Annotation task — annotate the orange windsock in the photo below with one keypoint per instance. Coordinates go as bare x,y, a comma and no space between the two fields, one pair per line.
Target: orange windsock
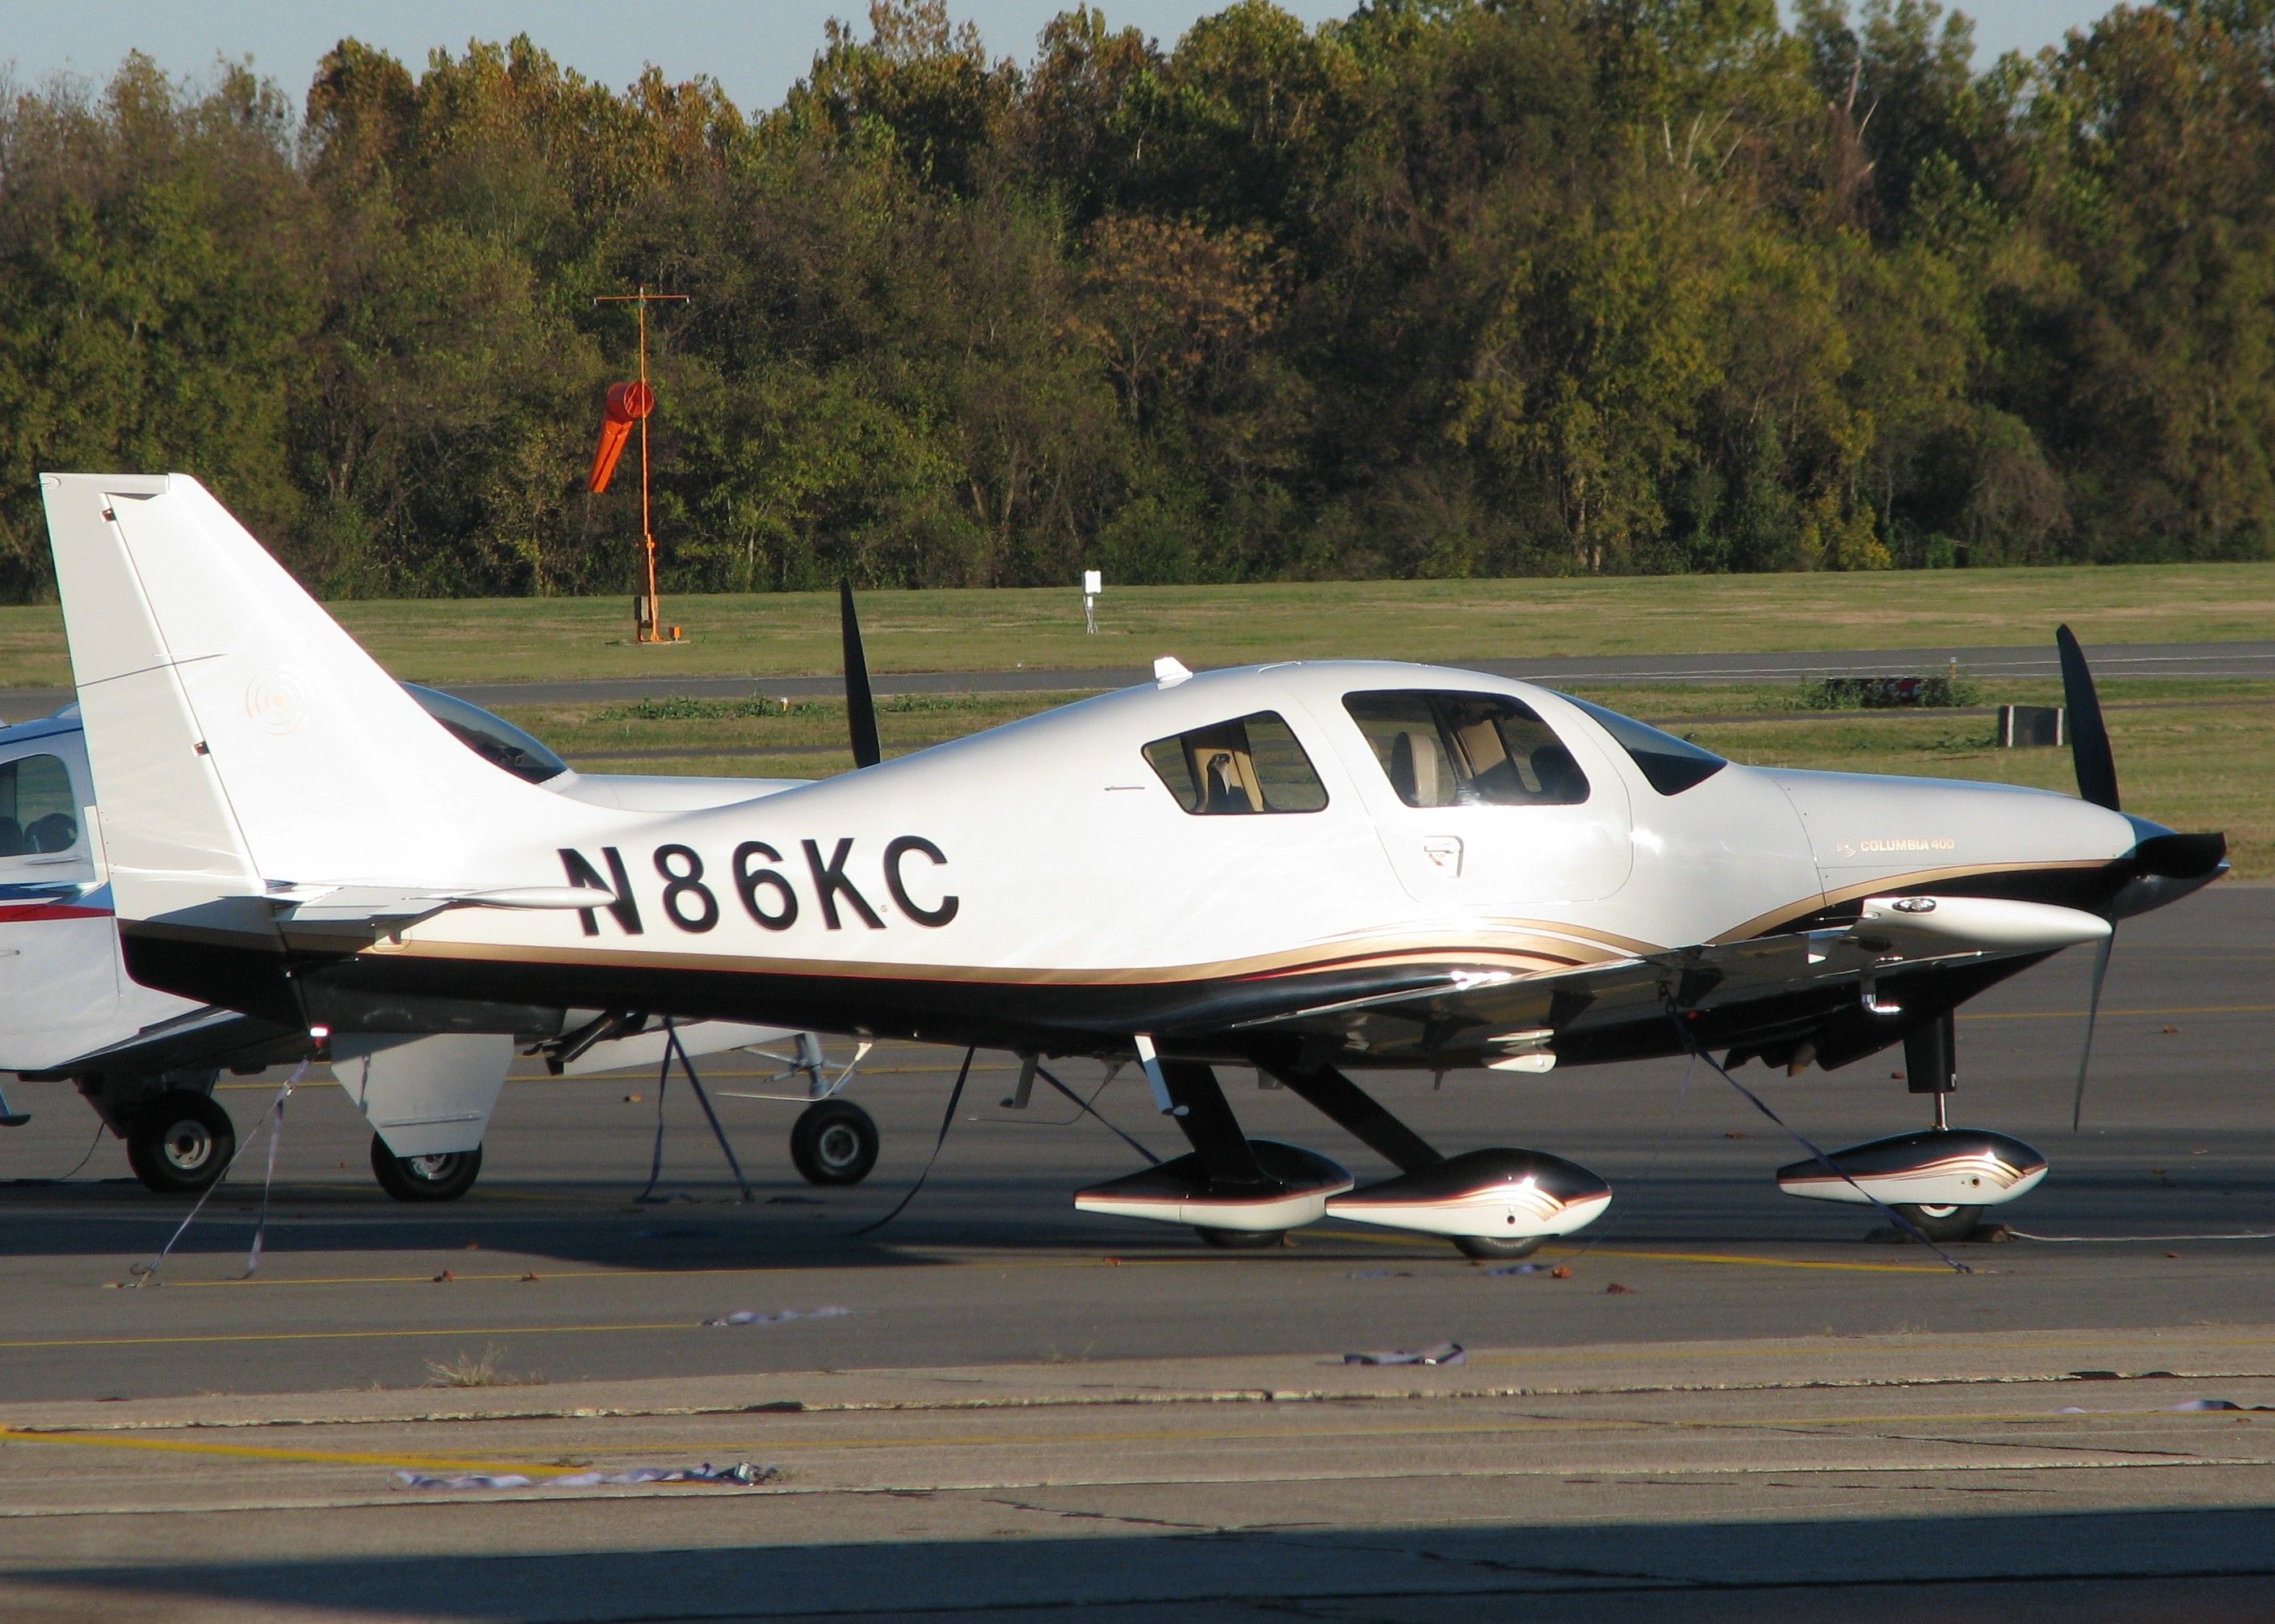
628,404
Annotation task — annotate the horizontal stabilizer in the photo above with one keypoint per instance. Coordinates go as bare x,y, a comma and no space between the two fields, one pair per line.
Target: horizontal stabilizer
200,1037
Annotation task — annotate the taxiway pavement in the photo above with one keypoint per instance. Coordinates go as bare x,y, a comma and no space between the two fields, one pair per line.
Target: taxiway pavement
1023,1406
2230,661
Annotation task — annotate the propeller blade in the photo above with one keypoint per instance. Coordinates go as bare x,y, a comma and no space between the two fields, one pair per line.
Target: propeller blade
860,704
2092,1016
2088,736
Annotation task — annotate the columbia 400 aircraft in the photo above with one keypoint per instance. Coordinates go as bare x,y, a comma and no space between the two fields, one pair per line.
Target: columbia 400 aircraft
1313,869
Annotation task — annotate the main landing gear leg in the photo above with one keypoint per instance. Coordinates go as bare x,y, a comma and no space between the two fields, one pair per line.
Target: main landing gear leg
1236,1191
1215,1134
1355,1111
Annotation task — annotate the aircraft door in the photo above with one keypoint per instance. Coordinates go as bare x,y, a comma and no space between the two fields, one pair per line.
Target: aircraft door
59,975
1481,804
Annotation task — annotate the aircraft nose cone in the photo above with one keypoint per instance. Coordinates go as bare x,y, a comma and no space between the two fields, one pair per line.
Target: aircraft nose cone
2166,866
2165,854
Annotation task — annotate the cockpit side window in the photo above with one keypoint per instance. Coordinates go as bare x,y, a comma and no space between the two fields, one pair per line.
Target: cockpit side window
1668,764
38,814
1251,765
1466,750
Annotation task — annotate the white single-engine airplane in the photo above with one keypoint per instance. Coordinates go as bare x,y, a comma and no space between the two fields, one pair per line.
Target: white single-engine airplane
147,1061
1309,868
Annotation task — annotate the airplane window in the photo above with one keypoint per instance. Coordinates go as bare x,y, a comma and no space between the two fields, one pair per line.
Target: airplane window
38,813
1254,764
492,738
1669,764
1466,750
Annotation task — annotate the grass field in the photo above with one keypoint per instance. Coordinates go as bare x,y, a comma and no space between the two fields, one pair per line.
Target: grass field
2192,755
789,634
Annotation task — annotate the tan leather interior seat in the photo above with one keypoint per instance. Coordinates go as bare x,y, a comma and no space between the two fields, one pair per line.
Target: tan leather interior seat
1418,767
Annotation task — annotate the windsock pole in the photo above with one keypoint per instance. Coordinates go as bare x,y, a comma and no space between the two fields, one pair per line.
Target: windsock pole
630,404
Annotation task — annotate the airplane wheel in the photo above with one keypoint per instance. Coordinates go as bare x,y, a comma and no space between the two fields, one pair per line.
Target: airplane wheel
1941,1223
833,1142
425,1178
1481,1246
1240,1239
180,1142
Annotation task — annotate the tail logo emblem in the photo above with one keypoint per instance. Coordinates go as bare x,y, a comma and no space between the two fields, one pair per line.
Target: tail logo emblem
277,702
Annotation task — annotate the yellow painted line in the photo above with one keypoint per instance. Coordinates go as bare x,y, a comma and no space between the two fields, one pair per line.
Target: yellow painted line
1782,1348
341,1336
2078,1015
1777,1262
458,1279
1514,1424
1569,1250
248,1451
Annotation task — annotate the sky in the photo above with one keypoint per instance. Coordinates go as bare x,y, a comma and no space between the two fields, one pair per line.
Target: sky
754,48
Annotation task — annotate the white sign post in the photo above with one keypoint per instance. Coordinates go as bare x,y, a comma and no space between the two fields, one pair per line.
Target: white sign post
1093,582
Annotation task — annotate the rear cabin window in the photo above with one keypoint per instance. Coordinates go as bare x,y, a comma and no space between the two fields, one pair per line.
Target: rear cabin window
1253,765
38,813
1466,750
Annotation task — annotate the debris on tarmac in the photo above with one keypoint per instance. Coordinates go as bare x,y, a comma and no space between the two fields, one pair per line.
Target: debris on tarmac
742,1474
1520,1268
1617,1290
752,1317
1442,1353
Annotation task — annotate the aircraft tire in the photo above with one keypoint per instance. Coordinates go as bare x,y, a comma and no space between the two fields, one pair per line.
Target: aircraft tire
1940,1223
833,1142
425,1178
180,1144
1483,1247
1240,1239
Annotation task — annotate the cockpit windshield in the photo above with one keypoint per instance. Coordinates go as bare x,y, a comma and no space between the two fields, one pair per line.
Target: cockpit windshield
492,738
1669,764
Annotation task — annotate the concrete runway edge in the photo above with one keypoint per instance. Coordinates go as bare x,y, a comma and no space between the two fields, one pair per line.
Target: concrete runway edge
1579,1482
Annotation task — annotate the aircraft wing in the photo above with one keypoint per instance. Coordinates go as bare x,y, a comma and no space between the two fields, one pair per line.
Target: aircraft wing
1511,1020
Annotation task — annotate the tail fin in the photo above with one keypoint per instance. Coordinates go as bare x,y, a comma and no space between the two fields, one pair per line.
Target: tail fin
240,741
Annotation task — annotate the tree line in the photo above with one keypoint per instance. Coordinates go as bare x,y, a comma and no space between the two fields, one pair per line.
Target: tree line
1442,288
